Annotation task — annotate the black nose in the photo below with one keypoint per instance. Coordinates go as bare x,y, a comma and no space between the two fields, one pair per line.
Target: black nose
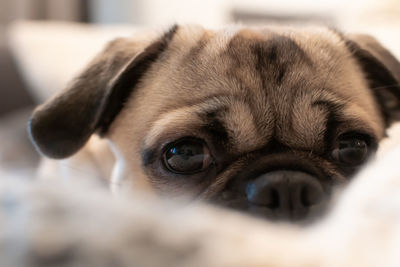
289,195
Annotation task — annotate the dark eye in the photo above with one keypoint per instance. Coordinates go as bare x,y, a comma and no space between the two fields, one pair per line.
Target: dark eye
187,157
351,150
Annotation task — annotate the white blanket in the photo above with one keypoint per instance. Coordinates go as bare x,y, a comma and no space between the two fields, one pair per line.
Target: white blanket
72,224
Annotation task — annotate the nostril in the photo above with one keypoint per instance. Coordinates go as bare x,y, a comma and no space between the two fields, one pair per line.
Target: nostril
304,197
274,199
310,196
267,196
285,195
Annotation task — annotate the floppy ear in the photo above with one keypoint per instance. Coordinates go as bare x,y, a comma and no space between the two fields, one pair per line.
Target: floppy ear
382,70
62,125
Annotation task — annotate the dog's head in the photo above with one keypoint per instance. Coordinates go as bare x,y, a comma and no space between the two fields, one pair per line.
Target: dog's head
264,119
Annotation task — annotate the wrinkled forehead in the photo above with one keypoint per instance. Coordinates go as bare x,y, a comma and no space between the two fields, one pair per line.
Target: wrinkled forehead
256,60
229,54
254,85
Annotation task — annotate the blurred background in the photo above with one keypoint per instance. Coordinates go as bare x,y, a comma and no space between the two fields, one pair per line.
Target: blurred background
44,43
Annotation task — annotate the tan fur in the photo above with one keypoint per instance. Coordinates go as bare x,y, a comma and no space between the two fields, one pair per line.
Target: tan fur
162,104
253,88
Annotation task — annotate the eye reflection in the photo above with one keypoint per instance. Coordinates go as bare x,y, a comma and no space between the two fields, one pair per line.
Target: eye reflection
351,151
187,156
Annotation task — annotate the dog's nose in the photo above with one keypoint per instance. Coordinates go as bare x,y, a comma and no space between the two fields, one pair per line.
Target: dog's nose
283,194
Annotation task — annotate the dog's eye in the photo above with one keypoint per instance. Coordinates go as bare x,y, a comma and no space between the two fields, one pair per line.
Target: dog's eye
187,157
350,151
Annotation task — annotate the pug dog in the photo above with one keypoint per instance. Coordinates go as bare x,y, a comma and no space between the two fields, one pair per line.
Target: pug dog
266,119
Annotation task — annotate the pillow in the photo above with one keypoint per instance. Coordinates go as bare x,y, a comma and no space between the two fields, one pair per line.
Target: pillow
50,54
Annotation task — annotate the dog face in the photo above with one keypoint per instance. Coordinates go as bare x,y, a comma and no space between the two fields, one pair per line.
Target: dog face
266,119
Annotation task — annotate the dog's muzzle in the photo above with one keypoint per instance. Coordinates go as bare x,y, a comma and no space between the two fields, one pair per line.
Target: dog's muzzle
284,194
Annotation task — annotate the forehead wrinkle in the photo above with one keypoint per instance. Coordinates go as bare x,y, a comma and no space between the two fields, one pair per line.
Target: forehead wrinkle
353,114
307,118
347,116
231,111
184,118
241,126
259,62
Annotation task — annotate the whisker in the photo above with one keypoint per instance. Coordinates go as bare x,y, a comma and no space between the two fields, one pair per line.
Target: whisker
386,86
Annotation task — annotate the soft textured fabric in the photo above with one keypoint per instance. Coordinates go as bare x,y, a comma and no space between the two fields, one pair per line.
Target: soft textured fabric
75,224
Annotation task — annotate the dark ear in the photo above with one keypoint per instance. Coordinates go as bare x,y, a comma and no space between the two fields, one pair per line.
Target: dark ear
62,125
382,70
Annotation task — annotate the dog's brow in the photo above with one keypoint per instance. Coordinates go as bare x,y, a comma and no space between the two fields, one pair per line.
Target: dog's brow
333,118
219,117
176,120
